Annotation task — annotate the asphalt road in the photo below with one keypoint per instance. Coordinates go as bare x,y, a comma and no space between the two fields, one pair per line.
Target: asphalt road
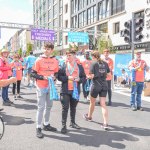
128,130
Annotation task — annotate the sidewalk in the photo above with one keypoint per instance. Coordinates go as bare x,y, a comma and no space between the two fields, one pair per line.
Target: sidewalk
127,92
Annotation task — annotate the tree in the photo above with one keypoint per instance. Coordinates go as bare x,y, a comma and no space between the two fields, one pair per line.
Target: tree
104,43
56,52
20,52
74,46
29,48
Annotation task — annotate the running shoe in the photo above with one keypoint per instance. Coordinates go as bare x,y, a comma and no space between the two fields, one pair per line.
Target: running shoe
85,116
105,126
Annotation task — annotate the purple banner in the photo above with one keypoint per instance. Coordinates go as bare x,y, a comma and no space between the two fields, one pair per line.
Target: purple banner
42,35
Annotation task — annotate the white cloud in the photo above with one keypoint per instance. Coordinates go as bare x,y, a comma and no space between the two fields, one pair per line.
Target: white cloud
15,16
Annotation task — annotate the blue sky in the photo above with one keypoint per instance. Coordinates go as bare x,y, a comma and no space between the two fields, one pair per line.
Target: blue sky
17,11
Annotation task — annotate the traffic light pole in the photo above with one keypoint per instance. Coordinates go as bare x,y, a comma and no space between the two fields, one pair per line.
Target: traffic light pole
132,36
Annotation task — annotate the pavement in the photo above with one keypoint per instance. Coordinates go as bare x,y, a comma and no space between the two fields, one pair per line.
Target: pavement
129,130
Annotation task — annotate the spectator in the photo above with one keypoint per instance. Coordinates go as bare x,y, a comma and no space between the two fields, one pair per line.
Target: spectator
110,63
29,64
4,68
137,67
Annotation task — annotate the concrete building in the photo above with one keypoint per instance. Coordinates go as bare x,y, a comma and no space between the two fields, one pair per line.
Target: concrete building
24,40
108,17
97,17
52,14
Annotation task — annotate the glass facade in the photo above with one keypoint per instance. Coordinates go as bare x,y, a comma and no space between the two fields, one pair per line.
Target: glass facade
103,28
90,11
117,6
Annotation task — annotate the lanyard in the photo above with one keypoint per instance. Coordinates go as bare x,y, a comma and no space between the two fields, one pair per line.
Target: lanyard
69,68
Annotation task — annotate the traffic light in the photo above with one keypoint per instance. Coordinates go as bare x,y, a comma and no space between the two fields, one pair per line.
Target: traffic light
138,28
126,33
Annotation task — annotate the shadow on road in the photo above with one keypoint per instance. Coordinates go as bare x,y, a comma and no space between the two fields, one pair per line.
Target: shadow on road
96,138
15,120
34,101
25,106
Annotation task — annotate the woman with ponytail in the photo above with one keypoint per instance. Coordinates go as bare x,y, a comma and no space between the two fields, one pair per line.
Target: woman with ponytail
98,73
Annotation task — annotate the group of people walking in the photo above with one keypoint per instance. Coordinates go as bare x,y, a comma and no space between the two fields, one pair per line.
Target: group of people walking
95,75
71,74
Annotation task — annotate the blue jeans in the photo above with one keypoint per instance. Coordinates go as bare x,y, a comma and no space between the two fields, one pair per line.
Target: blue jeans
5,93
136,91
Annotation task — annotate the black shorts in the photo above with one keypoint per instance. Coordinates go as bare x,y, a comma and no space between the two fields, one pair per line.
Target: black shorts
101,91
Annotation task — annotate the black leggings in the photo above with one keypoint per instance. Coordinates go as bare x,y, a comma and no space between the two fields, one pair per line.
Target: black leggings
18,87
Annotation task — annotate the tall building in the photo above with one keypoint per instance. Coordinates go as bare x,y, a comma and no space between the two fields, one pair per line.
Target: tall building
97,17
107,18
52,14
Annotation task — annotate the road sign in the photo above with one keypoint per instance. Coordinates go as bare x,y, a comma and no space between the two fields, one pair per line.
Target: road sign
42,35
78,37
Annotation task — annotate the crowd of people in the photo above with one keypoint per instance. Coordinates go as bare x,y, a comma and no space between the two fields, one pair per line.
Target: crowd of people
94,73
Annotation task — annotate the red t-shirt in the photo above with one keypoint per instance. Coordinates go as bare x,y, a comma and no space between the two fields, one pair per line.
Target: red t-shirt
45,66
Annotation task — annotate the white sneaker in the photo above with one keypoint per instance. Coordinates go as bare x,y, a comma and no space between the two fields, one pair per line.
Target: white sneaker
85,100
88,98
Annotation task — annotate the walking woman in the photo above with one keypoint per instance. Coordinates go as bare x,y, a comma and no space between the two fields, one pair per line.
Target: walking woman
16,66
71,74
98,73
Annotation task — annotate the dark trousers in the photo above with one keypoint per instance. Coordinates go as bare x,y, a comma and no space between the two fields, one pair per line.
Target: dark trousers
5,93
18,87
66,101
85,93
109,90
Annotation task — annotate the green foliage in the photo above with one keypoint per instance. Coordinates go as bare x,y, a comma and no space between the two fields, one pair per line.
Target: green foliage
20,52
29,49
103,43
56,52
75,47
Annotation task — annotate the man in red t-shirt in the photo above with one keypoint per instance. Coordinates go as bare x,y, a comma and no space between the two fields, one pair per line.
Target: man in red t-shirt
138,68
110,63
45,66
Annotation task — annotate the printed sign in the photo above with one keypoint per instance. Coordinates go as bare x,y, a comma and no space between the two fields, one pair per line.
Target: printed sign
42,35
79,37
122,62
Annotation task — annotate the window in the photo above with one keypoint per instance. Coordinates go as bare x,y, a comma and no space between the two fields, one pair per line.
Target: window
66,8
116,28
60,6
74,22
117,6
91,14
84,18
80,20
66,24
49,3
60,21
54,1
55,11
76,6
80,4
139,14
66,40
103,9
55,23
72,6
103,28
